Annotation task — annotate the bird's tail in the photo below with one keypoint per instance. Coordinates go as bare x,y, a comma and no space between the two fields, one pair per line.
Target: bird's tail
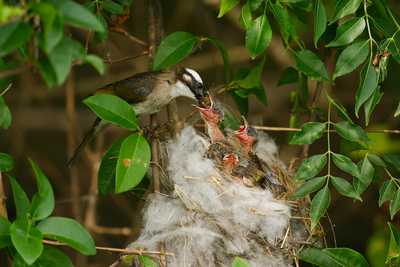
98,126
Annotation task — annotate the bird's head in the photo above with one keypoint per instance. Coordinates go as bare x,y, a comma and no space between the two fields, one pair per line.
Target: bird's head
248,135
230,161
192,80
214,114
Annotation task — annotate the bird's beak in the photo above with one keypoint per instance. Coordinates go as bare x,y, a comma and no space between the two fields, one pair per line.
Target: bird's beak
206,113
242,131
230,162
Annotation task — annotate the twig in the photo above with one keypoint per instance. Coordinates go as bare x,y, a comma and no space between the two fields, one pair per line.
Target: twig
5,90
110,61
16,71
228,190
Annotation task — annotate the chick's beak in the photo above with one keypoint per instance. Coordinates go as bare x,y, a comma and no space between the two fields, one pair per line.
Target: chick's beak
207,113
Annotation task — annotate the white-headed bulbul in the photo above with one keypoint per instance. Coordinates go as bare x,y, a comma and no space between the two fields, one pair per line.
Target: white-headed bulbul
147,93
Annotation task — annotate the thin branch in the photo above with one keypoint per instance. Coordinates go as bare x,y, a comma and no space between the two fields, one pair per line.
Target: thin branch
8,87
16,71
111,61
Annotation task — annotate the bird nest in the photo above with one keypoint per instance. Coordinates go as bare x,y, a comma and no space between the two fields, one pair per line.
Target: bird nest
206,217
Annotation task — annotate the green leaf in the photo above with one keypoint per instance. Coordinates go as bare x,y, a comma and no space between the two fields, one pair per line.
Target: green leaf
301,15
127,2
312,66
381,8
68,231
113,7
344,8
75,48
385,27
108,166
13,35
395,47
47,72
96,62
371,103
394,249
289,75
6,162
386,192
351,131
393,159
245,16
225,56
53,257
254,4
241,103
77,16
350,146
259,92
345,164
345,188
230,121
26,240
43,201
319,204
5,236
253,78
397,111
319,21
308,187
317,257
5,115
113,109
310,167
227,5
376,160
346,257
147,262
22,204
103,21
368,82
366,173
282,16
173,49
61,61
309,133
351,58
133,162
239,262
258,36
348,31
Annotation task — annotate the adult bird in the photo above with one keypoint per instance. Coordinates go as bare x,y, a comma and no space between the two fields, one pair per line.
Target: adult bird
147,93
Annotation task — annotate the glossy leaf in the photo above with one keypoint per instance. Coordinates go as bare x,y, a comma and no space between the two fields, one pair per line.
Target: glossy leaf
348,31
253,78
350,146
12,35
312,66
173,49
259,92
395,47
309,133
393,159
47,72
345,164
394,204
225,56
75,48
368,82
371,103
22,203
309,187
319,204
351,131
345,188
289,75
344,8
96,62
227,5
113,109
254,4
133,162
397,111
103,22
6,162
385,27
239,262
381,8
68,231
285,21
147,262
346,257
26,240
258,36
54,258
386,192
77,16
241,103
43,201
317,257
366,173
5,236
113,7
311,167
377,160
301,15
61,61
245,16
394,248
351,58
319,20
108,166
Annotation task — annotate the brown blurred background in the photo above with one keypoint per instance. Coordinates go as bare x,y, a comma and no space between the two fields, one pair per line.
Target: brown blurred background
48,130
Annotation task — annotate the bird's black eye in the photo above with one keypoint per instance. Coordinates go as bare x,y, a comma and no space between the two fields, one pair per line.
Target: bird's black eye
200,86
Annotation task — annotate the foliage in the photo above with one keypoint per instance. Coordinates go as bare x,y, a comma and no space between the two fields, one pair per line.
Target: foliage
22,238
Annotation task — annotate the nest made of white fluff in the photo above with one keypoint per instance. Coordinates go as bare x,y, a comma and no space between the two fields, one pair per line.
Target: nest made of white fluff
209,218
